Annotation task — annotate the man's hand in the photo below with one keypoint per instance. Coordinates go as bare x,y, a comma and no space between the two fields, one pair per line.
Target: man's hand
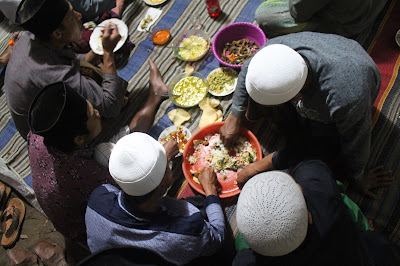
171,148
93,58
110,37
265,164
209,181
248,172
230,131
374,178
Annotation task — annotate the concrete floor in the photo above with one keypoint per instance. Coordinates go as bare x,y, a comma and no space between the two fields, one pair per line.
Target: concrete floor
36,227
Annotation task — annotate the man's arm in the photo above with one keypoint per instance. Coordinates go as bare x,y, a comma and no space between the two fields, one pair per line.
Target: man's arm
108,98
213,234
263,165
279,160
355,143
240,95
231,129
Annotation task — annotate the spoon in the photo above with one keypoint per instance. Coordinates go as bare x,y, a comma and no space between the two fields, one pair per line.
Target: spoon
102,26
166,94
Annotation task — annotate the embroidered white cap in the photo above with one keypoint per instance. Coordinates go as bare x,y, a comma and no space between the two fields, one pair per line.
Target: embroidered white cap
275,75
138,163
272,214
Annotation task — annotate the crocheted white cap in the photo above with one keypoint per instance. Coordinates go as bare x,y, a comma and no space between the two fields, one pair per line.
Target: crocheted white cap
275,75
272,214
138,163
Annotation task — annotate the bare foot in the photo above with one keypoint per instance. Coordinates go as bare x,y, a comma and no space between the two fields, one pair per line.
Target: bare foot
156,82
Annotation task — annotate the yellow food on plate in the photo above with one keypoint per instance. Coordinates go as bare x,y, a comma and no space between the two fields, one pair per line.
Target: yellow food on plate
192,47
178,116
191,90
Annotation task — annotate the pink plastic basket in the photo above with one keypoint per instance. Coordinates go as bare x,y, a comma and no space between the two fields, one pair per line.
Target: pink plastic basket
236,31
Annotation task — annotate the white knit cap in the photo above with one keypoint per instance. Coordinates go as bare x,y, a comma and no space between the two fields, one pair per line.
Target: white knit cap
272,214
138,163
275,75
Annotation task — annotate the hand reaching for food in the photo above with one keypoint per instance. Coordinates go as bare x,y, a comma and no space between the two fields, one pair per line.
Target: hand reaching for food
171,148
247,173
110,37
252,169
230,131
208,179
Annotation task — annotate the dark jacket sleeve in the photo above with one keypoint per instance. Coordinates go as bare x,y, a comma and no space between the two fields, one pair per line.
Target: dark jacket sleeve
107,98
240,96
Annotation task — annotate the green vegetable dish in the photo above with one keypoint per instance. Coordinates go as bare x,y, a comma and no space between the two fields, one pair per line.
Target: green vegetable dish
222,81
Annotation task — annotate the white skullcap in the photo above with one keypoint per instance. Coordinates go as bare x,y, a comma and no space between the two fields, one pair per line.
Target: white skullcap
275,75
272,214
138,163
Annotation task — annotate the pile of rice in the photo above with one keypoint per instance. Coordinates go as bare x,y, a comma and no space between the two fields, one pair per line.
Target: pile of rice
219,157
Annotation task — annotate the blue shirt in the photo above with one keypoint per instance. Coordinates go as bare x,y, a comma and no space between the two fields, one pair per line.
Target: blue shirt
177,232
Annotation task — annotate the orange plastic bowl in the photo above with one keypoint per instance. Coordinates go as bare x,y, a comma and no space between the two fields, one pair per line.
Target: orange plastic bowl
229,189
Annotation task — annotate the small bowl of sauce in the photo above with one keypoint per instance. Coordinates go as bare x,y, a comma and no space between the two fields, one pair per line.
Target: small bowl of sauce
161,37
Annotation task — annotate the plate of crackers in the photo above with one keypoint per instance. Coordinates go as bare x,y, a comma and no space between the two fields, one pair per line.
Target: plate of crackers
180,133
222,81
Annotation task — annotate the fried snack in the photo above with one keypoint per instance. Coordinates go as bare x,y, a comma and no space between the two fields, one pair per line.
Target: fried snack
210,113
178,116
209,116
208,102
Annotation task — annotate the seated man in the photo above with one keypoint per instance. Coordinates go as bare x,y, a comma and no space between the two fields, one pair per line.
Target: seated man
322,88
300,219
140,216
347,18
46,57
64,173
